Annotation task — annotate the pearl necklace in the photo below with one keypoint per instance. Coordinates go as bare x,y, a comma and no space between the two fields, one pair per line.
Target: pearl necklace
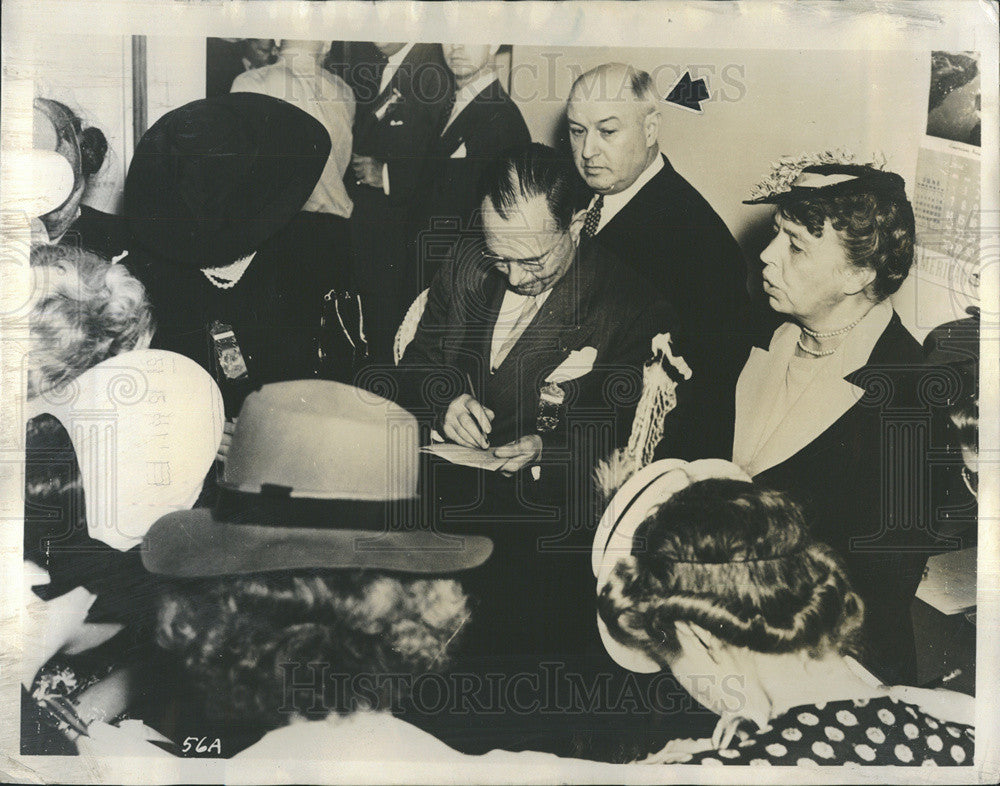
832,333
822,353
228,276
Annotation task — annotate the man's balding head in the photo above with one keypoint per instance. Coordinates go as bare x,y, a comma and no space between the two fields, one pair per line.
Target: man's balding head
614,122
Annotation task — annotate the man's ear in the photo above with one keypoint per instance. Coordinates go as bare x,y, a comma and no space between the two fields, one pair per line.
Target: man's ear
576,226
651,127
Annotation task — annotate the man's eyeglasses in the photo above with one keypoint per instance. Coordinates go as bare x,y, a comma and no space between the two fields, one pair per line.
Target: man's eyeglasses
529,264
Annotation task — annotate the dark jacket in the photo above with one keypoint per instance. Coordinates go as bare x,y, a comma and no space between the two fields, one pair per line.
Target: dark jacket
864,484
674,238
94,230
598,303
449,191
274,309
400,137
534,597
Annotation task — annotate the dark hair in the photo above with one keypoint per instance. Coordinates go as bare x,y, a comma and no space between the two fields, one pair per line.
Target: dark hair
247,641
529,171
875,227
93,144
738,561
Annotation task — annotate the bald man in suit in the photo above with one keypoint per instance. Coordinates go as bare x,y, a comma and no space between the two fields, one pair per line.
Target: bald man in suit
643,211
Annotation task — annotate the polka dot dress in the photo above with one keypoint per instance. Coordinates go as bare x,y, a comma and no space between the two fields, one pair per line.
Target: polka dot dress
852,732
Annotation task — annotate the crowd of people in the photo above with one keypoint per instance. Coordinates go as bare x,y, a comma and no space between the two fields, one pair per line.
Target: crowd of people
661,517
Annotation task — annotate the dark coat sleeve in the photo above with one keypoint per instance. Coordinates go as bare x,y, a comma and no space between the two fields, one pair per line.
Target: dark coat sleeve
425,382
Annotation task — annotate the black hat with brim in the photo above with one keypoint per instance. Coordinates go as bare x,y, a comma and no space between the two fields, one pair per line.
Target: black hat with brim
833,180
211,181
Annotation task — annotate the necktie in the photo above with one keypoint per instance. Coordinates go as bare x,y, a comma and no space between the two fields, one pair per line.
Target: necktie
528,311
381,66
447,108
593,217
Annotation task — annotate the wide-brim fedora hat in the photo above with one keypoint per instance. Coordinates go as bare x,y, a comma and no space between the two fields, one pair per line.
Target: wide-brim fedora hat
318,475
212,180
631,505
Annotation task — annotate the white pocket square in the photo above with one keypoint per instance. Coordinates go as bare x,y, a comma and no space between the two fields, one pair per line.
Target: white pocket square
395,122
577,364
460,151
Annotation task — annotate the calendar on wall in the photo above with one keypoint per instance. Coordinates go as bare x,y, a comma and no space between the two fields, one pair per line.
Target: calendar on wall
947,186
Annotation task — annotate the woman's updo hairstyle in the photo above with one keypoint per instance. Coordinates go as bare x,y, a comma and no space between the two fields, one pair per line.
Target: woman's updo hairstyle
738,561
90,139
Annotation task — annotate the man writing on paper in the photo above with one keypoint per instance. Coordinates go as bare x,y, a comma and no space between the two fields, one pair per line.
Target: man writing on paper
537,339
533,350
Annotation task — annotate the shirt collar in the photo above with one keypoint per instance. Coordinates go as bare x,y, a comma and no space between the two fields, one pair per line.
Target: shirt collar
396,59
615,202
302,64
466,93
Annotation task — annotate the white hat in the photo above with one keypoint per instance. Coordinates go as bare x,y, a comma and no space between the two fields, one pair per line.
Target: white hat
145,426
43,182
632,504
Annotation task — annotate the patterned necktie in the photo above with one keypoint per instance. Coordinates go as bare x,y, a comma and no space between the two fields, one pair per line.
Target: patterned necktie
528,311
593,217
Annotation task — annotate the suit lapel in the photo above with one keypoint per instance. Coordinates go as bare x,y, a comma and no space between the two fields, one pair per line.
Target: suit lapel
822,402
758,384
474,115
479,320
642,208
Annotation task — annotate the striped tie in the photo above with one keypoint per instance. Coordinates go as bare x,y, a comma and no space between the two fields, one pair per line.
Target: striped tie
593,217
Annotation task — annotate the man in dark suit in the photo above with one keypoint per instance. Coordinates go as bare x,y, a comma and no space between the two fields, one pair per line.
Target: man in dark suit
534,347
401,100
484,123
649,216
503,317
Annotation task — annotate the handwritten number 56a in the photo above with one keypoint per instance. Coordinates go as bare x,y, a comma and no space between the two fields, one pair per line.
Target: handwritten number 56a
201,745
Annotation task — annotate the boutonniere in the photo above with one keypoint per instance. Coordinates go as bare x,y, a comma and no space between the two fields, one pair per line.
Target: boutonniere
551,396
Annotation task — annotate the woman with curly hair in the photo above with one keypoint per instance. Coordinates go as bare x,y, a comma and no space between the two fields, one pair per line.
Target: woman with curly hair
84,310
252,646
99,469
311,600
704,573
825,406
